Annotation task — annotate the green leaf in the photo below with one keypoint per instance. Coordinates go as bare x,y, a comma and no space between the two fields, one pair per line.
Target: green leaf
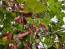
1,46
60,15
1,15
58,4
64,46
1,29
50,1
63,7
20,1
62,38
51,14
53,8
45,20
32,21
29,19
1,23
3,0
8,25
4,40
20,46
10,16
48,41
35,6
26,9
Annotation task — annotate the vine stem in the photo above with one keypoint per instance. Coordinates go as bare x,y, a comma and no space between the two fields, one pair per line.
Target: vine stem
59,30
50,33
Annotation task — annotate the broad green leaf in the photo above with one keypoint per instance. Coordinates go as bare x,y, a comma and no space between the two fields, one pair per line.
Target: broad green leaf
35,6
32,3
26,9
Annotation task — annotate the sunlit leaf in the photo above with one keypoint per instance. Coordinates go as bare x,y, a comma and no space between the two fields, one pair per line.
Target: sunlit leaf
4,40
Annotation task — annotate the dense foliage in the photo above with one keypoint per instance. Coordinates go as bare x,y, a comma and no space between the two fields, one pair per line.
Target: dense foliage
28,24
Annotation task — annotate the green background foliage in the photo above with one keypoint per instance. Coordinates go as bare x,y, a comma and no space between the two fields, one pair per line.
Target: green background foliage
43,11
